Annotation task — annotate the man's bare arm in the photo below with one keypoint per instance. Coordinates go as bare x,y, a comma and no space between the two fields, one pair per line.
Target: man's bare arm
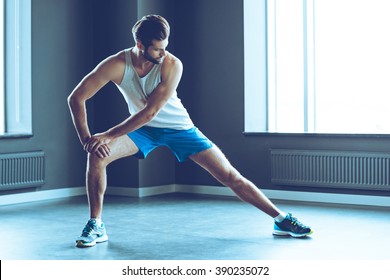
110,69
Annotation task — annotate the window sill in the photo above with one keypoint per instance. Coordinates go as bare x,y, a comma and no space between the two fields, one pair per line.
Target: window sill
15,135
303,134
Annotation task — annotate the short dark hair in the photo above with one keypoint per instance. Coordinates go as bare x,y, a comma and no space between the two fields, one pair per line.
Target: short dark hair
151,27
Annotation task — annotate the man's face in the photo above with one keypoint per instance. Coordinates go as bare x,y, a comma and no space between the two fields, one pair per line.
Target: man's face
156,51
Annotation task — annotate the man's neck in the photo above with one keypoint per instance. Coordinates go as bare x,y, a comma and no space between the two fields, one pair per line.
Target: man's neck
139,61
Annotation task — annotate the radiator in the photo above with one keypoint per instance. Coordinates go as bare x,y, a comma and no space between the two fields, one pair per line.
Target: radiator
363,170
21,170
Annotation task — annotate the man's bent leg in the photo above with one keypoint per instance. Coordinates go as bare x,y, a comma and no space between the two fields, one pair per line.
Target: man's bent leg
215,162
96,172
95,231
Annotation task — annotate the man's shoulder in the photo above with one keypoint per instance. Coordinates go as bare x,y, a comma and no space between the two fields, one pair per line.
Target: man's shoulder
170,58
118,58
171,61
113,67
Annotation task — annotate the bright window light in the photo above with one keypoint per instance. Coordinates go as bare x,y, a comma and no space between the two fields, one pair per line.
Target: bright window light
327,66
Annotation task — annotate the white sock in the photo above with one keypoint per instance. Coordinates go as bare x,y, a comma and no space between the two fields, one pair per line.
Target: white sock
98,221
280,217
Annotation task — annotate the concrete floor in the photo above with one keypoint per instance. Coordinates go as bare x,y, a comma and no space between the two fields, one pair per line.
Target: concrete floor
188,227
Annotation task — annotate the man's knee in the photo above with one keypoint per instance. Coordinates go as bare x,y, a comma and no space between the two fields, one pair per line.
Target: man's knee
94,161
233,179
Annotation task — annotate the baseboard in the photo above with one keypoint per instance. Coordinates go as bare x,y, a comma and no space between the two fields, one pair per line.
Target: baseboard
141,192
331,198
208,190
27,197
10,199
292,196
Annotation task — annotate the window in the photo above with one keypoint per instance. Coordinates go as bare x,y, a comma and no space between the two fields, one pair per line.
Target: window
15,96
2,107
326,67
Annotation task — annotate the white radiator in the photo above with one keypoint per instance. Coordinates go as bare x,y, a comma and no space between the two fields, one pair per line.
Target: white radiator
20,170
364,170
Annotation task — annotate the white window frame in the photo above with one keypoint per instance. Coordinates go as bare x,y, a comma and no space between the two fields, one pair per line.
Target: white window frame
18,85
308,67
259,68
2,86
255,73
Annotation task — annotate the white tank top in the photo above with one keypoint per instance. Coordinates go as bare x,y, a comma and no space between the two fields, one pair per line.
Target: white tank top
136,90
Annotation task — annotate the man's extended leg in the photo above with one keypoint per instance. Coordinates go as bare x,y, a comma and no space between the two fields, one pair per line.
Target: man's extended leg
96,187
215,162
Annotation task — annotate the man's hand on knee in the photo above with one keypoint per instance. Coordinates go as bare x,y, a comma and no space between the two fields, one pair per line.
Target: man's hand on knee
103,151
98,144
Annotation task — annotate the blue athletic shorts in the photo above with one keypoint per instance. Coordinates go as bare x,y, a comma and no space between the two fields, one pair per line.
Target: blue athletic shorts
182,143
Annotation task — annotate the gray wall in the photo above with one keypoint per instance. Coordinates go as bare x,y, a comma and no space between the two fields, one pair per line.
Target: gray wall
61,43
71,36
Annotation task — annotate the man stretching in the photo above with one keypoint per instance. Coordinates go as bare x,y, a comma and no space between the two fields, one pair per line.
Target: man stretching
147,75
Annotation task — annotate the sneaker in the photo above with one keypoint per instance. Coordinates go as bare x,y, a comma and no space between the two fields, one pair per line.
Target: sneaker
291,226
91,234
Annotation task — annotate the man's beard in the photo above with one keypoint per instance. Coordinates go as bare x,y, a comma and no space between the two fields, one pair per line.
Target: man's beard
149,58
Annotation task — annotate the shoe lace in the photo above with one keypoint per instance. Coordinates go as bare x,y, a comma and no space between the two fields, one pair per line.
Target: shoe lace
295,222
87,229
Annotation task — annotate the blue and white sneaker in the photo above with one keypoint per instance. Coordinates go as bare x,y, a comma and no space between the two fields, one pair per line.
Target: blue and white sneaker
291,226
91,234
